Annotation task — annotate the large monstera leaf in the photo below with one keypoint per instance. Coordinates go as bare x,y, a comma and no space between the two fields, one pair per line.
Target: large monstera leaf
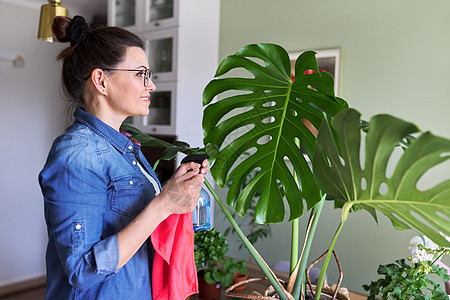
366,184
259,128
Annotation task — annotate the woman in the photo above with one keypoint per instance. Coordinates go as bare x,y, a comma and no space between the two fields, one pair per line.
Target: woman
102,198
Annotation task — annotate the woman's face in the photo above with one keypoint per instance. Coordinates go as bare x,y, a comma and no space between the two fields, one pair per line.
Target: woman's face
127,95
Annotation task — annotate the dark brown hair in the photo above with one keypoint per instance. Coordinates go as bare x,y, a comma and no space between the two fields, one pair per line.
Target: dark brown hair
102,47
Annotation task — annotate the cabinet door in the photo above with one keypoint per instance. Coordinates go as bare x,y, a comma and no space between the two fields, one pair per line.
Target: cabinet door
162,48
125,14
159,14
161,118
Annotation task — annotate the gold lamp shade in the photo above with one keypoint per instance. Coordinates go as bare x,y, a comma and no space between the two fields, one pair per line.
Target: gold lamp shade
48,13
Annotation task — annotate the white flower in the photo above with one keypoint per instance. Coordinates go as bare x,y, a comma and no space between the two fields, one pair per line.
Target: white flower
421,256
429,244
416,241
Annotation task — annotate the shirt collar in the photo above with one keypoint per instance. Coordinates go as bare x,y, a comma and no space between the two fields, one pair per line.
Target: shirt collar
115,138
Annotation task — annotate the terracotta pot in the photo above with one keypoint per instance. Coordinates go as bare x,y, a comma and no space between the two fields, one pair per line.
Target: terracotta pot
237,277
209,291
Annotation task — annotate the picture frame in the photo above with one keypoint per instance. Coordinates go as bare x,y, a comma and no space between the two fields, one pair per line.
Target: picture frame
328,60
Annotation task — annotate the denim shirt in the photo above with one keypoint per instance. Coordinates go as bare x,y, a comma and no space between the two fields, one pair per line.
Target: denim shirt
93,188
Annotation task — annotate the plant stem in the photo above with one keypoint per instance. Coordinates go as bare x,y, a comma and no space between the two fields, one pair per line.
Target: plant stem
294,244
327,261
258,259
314,220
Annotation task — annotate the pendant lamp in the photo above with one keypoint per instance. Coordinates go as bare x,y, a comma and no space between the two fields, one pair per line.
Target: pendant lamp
48,13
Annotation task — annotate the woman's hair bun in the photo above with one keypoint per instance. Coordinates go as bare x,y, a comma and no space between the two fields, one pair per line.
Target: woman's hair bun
70,30
59,27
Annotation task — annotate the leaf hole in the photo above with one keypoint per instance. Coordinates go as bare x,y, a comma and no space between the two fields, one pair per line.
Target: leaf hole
239,72
235,112
239,159
444,154
421,220
363,183
293,112
269,104
435,175
230,93
441,215
444,236
409,224
311,88
268,91
383,189
393,161
342,161
264,140
268,120
235,134
259,61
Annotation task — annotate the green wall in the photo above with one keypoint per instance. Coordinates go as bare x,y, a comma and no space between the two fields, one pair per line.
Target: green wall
395,59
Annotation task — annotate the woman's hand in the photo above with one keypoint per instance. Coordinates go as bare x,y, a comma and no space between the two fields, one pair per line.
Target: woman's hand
180,194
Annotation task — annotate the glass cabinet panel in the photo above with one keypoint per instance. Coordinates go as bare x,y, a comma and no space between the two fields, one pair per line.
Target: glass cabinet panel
161,118
161,55
125,13
160,14
161,9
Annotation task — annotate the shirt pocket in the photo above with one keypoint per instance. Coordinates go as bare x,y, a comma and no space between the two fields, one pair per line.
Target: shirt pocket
129,196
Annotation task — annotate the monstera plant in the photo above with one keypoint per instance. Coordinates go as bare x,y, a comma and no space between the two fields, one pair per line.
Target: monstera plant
260,122
266,116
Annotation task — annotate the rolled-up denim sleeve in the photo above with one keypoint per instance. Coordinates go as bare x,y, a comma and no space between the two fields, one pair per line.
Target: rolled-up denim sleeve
74,188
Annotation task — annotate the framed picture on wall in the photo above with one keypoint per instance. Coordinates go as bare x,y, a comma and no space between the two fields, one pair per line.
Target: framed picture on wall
328,60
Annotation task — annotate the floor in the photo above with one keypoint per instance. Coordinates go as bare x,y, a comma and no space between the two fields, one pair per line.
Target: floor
33,294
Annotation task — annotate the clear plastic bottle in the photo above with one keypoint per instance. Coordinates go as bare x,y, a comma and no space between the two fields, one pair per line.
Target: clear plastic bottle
201,216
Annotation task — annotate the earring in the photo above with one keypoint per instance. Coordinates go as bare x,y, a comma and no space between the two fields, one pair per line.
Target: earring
104,91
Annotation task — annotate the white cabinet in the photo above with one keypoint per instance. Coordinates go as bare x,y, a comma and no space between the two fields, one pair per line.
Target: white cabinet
162,52
182,40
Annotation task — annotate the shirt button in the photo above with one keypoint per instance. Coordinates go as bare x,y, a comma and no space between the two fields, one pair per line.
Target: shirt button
78,227
131,182
134,162
130,147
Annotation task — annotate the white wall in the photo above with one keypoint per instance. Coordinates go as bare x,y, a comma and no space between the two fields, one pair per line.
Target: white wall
31,116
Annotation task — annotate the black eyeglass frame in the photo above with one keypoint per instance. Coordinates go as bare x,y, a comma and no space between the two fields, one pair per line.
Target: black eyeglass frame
147,74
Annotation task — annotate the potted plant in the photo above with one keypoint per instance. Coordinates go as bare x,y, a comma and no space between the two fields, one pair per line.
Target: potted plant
239,271
214,269
264,116
410,279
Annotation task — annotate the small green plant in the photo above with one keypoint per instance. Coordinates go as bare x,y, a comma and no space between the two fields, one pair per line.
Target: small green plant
231,265
210,247
410,280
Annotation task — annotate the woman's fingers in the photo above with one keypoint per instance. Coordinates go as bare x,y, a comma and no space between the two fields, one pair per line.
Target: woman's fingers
182,191
185,168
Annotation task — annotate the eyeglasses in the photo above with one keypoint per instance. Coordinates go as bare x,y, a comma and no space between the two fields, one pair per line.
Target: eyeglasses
146,72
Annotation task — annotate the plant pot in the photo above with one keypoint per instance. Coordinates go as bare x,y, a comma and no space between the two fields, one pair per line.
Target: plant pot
237,277
209,291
